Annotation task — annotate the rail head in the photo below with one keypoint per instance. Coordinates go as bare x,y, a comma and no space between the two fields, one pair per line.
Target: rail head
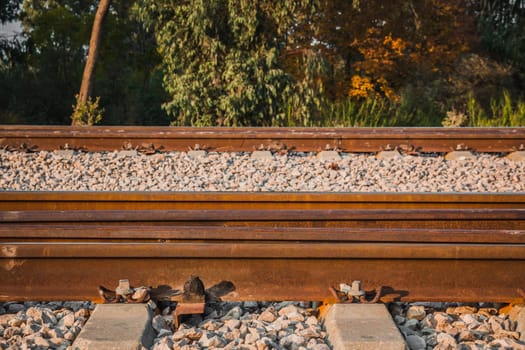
109,138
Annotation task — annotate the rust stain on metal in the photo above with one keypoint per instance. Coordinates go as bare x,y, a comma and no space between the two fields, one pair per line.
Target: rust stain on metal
98,138
285,247
187,309
12,201
274,279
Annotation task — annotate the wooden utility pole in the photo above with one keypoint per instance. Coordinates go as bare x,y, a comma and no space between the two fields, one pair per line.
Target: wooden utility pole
96,34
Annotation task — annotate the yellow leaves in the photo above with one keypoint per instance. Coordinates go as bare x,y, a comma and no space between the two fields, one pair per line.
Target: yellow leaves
426,37
377,47
382,56
362,87
396,46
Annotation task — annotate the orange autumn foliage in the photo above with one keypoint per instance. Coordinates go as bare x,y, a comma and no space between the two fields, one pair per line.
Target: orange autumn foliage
375,47
380,57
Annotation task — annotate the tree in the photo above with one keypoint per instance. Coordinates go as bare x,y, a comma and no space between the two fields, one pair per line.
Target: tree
43,68
501,27
221,60
9,10
241,62
83,104
505,10
235,62
376,46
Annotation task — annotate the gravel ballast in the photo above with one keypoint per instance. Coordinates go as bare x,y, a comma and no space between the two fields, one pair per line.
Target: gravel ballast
301,172
41,325
244,326
451,326
267,325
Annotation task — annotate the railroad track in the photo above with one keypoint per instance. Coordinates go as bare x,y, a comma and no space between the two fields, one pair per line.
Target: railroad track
160,139
272,246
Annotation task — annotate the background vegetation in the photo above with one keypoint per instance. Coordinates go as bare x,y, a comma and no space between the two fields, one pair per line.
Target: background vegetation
269,63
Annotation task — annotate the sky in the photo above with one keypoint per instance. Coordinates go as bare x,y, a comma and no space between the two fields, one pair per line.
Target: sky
9,29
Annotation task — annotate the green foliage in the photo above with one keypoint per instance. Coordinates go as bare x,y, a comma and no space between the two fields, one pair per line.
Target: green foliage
418,105
413,110
221,61
41,65
9,10
41,72
370,112
474,112
128,76
415,107
503,112
88,113
269,63
501,30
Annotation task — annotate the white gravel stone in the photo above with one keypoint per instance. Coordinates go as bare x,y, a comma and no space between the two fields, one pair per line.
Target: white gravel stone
177,171
245,326
456,327
508,344
232,324
67,320
40,341
292,341
295,316
416,312
251,338
446,341
163,344
38,325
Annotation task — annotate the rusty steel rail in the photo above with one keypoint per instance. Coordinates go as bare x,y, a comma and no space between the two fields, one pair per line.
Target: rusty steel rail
77,200
440,247
151,139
